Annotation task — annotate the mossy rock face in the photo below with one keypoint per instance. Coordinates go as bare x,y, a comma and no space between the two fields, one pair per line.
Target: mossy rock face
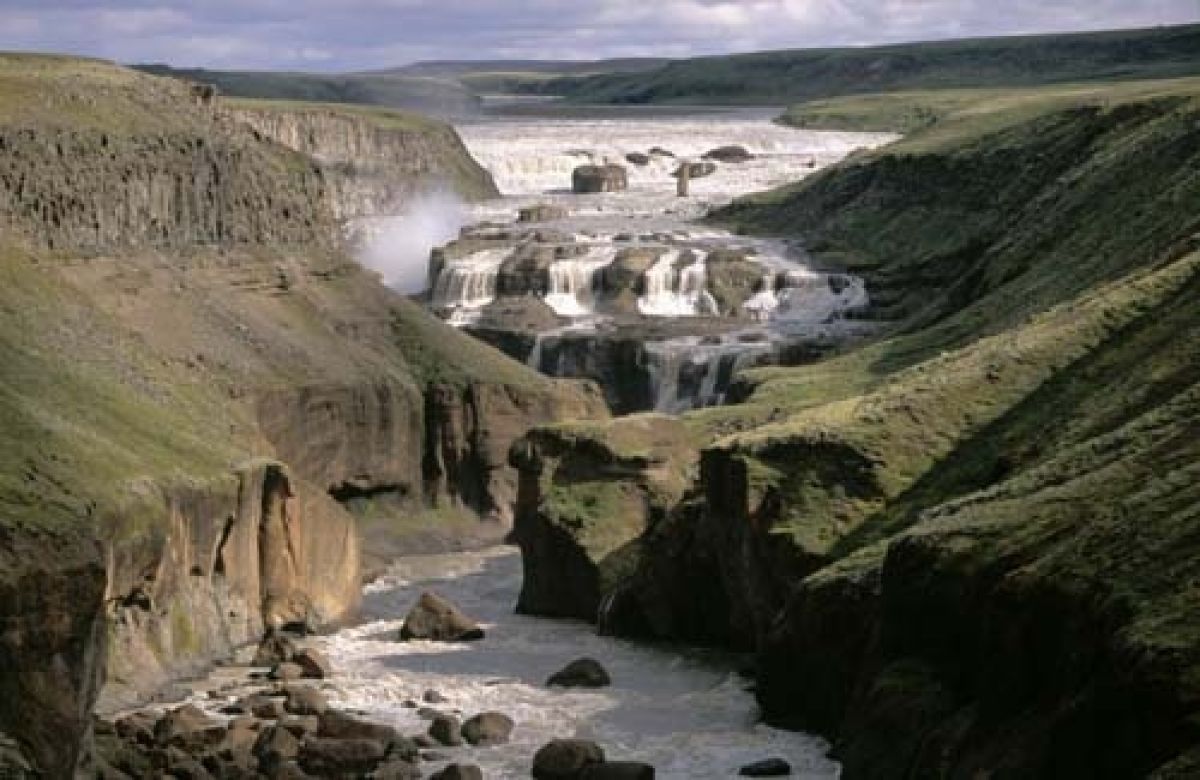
732,278
586,493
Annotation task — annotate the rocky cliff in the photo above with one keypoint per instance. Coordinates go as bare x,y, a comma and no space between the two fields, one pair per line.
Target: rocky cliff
205,403
373,159
967,547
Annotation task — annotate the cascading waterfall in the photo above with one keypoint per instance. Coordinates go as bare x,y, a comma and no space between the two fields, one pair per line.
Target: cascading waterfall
469,283
690,372
573,282
671,291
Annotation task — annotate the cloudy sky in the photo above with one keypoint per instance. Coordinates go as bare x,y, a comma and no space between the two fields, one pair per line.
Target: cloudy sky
362,34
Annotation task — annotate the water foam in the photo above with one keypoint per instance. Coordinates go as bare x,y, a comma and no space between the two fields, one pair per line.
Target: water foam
685,712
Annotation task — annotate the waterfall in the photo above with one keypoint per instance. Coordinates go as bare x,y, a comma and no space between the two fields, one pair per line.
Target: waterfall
808,297
689,374
673,292
468,283
573,281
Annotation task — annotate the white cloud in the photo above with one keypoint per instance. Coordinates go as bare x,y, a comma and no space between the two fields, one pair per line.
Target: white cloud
354,34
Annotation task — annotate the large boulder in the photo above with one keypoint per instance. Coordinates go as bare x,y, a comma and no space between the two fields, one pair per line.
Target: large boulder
563,759
487,728
637,158
729,154
446,730
599,178
435,618
188,727
581,673
340,757
458,772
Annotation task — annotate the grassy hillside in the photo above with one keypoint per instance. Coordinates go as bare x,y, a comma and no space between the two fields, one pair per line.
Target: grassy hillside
809,74
967,111
437,96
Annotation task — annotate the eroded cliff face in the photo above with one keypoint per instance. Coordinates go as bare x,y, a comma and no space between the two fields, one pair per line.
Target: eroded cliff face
198,383
259,550
374,160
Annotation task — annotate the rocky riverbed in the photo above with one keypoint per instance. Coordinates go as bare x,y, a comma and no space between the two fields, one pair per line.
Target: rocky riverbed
399,708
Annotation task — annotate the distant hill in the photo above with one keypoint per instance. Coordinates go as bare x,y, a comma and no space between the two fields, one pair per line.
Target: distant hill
516,76
435,96
810,74
444,68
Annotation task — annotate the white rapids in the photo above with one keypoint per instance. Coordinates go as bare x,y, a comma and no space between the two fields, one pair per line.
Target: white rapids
686,713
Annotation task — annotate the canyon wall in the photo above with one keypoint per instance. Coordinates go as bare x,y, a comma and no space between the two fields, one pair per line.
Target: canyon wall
374,160
201,391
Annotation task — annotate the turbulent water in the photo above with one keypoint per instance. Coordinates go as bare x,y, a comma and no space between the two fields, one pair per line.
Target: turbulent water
532,162
686,713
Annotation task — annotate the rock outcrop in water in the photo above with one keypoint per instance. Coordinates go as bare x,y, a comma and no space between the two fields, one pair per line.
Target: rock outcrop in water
206,403
966,547
599,178
584,500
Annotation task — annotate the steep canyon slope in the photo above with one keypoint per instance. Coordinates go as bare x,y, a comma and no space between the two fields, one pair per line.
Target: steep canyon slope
214,421
971,545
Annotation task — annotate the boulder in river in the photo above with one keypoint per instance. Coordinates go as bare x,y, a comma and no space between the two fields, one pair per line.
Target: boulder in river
563,759
617,770
581,673
487,728
458,772
599,178
637,158
446,730
658,151
729,154
769,767
435,618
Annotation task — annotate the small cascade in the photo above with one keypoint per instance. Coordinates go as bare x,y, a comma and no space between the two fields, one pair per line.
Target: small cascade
468,283
690,373
808,297
573,282
670,291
